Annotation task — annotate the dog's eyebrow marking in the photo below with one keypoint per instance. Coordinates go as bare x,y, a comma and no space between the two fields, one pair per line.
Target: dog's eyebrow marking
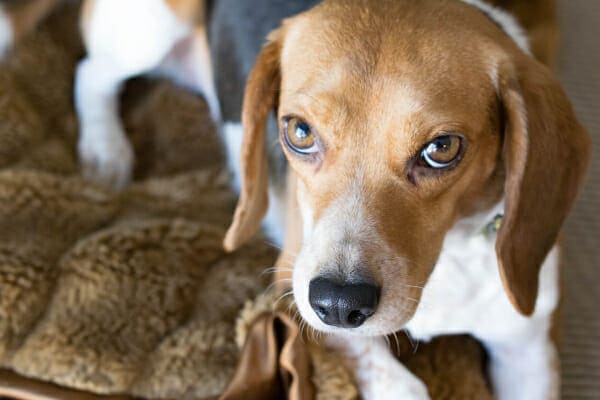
505,21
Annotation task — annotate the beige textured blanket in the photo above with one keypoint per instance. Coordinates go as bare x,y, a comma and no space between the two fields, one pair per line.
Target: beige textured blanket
115,293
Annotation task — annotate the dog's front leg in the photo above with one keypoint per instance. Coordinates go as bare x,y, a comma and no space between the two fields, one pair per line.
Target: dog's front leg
525,369
379,375
104,151
123,39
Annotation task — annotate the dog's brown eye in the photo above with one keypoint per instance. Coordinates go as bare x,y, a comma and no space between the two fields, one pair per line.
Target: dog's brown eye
442,152
299,136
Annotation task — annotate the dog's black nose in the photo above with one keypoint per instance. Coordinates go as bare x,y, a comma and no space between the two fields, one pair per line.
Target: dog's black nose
345,305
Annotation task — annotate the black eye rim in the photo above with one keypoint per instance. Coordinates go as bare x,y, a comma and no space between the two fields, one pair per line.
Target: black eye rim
295,150
442,166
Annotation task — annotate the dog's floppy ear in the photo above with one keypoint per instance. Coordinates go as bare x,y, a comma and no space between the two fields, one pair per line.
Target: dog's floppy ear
260,98
546,152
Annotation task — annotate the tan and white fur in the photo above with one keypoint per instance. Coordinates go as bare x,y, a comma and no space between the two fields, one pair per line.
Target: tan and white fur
355,213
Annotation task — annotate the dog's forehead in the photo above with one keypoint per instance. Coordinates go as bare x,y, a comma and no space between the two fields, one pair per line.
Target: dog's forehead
376,54
398,28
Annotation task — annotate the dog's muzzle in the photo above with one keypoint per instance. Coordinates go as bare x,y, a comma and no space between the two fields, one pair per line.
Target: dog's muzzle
345,305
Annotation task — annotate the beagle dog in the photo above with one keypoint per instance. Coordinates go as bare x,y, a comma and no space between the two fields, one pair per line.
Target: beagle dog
427,161
432,163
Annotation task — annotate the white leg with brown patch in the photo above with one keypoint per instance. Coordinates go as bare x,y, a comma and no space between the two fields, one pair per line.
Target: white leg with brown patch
104,150
123,39
379,375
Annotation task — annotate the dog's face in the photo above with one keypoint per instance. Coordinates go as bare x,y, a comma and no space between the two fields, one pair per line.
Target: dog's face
399,118
388,151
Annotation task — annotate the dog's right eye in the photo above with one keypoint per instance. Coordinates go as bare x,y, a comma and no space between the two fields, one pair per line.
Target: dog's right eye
442,152
298,136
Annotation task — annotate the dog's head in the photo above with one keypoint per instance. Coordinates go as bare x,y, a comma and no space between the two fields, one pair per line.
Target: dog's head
399,118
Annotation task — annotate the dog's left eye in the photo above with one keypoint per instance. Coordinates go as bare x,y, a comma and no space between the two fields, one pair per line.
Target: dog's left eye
298,136
442,152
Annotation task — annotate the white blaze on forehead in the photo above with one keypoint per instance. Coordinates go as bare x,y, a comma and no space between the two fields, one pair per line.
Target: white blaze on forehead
335,239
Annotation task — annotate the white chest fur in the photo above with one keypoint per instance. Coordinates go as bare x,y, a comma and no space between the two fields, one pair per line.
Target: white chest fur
464,294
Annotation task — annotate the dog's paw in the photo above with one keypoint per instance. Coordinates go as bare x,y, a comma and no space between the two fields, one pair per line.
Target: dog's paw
404,390
106,156
392,382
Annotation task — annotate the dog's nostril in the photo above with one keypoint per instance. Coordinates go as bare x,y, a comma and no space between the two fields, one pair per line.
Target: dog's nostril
356,318
321,312
343,305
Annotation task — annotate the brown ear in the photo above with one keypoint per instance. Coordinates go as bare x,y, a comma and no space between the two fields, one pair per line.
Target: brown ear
260,98
546,153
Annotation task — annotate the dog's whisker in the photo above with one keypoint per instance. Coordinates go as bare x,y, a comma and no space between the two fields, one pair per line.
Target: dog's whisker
272,244
414,346
288,309
412,286
273,270
397,341
297,315
388,343
319,336
410,299
303,326
281,282
313,334
283,296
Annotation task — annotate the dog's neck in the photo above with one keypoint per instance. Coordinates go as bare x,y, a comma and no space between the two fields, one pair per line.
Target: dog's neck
505,21
464,294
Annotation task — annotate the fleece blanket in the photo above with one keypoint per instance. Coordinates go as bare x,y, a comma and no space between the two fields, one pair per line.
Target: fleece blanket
129,295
